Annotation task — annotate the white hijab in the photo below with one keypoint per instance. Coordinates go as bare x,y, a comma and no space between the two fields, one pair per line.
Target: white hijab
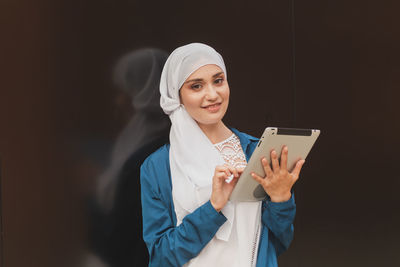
193,157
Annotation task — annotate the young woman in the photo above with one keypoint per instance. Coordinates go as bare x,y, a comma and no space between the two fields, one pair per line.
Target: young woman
186,184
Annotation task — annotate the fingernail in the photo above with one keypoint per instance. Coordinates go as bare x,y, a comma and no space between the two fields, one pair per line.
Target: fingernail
229,179
285,149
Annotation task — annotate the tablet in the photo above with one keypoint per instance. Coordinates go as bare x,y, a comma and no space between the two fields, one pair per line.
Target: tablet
299,143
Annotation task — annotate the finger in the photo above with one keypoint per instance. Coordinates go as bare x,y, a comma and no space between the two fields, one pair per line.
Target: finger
236,172
220,168
284,157
296,171
230,168
233,171
218,179
234,181
258,178
221,177
274,159
228,172
267,168
225,169
240,170
222,174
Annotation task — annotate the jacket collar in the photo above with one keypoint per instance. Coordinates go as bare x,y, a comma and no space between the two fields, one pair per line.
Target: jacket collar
245,140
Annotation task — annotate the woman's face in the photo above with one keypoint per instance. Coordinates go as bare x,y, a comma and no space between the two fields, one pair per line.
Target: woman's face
205,95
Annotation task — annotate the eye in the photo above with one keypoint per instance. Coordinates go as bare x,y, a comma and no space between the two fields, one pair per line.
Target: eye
219,80
195,86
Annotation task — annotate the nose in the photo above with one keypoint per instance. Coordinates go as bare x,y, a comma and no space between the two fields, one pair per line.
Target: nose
211,93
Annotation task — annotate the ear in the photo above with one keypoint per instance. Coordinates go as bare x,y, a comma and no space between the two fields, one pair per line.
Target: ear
180,95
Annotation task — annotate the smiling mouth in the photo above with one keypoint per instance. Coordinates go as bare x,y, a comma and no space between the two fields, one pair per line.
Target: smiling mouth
213,108
213,105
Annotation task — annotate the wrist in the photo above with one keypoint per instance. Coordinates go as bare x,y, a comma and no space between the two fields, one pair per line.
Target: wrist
281,198
216,207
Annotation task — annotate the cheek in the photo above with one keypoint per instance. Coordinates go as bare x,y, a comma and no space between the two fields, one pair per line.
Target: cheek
225,94
189,99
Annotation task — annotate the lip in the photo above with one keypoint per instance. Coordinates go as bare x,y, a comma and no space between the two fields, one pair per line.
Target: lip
213,108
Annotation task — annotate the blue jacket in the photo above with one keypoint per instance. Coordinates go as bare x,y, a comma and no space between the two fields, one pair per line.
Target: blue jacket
171,245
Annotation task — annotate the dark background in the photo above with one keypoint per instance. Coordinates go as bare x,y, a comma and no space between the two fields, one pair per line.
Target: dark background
331,65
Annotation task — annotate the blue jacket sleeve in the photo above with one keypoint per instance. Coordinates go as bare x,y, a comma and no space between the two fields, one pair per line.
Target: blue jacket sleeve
168,244
278,218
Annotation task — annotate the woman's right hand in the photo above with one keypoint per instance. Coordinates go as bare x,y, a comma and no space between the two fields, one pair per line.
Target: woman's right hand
221,190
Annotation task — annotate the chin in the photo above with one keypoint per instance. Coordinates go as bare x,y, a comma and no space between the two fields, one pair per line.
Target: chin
210,120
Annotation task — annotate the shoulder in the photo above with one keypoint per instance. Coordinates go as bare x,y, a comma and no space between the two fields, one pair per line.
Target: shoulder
136,159
244,137
155,171
243,134
247,136
157,159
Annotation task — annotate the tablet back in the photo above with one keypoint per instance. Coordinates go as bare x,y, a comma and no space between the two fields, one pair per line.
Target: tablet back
299,143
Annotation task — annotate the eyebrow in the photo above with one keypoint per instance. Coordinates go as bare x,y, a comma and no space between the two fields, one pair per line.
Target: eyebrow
199,79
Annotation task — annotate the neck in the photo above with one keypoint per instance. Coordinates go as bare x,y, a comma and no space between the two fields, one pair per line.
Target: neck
216,132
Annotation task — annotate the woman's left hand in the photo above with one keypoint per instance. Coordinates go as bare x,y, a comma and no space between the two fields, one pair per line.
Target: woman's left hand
278,181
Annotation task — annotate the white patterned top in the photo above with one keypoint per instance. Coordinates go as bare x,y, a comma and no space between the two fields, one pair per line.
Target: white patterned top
231,151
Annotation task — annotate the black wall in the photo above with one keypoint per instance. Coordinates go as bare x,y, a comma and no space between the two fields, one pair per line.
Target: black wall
331,65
